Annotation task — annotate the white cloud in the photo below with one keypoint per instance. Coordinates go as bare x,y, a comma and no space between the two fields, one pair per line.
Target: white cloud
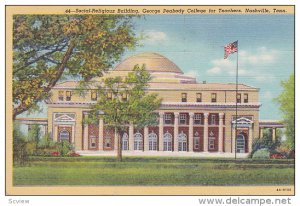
251,64
268,95
153,37
214,70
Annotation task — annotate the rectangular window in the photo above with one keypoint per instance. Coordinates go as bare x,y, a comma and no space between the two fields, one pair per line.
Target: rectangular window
245,98
68,95
168,118
214,97
197,119
124,96
213,119
183,97
182,119
109,95
199,97
107,142
196,142
94,95
93,142
238,98
61,95
211,143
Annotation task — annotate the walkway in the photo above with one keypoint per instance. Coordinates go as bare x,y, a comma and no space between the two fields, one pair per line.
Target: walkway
163,154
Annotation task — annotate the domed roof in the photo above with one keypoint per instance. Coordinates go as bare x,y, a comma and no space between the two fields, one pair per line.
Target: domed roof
154,63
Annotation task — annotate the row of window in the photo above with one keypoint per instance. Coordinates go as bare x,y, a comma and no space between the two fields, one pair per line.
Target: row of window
167,144
213,97
68,95
94,96
183,119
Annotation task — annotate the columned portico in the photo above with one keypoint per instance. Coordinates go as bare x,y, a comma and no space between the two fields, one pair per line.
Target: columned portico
205,140
221,142
191,129
176,123
244,128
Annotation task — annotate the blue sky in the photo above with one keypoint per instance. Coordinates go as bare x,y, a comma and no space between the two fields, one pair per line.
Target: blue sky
195,44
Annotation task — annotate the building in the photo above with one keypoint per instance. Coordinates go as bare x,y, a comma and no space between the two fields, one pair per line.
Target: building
193,117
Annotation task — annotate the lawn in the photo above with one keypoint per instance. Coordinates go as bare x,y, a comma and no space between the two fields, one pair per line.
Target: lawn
153,171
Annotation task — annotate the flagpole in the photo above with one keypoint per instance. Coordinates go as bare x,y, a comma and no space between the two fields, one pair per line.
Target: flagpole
236,94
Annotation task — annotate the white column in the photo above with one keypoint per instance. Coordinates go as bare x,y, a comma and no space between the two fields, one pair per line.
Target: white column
273,134
101,134
115,140
191,132
261,132
73,135
176,115
161,131
221,142
233,139
146,139
250,138
131,138
205,136
55,133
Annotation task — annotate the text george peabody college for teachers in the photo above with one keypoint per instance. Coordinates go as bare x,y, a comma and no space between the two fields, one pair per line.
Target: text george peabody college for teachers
196,118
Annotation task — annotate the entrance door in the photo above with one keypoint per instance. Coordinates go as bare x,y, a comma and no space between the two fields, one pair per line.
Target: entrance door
64,134
240,144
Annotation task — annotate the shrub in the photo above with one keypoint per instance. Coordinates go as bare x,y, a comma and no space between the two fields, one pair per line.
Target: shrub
45,141
277,156
20,155
55,154
261,154
64,147
73,154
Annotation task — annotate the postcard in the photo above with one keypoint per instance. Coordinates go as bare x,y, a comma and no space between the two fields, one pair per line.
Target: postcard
150,100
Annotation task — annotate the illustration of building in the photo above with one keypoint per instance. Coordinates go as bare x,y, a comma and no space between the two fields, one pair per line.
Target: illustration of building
193,117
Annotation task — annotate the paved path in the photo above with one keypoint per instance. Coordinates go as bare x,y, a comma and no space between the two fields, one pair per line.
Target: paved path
163,154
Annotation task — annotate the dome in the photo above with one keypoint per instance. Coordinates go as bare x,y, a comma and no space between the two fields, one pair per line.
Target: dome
154,63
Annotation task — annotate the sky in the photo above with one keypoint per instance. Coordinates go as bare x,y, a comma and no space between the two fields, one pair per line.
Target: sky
195,43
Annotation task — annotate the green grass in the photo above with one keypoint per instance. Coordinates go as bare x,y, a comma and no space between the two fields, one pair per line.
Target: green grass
153,171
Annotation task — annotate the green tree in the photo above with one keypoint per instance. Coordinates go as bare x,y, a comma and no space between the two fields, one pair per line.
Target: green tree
124,101
286,101
47,47
34,133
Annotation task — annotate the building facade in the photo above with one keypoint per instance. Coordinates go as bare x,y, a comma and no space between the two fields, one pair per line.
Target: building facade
193,117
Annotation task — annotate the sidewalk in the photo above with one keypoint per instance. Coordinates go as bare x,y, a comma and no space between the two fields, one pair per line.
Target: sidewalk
163,154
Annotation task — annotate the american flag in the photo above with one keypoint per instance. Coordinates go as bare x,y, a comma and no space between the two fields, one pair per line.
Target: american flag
230,48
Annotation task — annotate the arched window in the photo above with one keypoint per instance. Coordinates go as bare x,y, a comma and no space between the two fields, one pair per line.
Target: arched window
64,135
182,142
138,141
240,143
125,141
167,141
152,141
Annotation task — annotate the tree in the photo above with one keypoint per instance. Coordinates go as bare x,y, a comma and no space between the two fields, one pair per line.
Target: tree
286,101
48,47
124,101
